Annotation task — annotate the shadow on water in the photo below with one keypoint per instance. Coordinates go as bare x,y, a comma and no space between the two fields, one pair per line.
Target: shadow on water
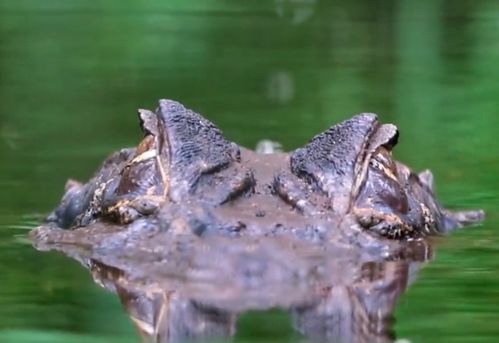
196,289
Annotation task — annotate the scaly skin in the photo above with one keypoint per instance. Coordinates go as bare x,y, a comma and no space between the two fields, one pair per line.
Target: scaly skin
184,173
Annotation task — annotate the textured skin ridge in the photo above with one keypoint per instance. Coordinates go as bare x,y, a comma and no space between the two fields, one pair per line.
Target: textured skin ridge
194,140
330,157
189,133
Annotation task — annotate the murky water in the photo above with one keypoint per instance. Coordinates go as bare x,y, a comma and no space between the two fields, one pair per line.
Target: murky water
72,74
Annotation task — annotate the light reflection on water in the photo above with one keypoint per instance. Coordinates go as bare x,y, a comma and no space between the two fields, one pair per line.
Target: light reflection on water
73,74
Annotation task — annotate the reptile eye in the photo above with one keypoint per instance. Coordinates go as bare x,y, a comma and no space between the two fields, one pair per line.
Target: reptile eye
146,121
393,141
144,129
141,123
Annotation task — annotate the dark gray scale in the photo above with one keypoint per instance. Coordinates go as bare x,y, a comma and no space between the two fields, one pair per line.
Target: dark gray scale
81,202
424,210
139,178
329,160
197,149
194,139
383,204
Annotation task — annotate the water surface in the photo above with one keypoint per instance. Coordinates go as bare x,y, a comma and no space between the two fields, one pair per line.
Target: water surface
73,73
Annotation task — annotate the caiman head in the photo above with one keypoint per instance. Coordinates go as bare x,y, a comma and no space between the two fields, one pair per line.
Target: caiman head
184,159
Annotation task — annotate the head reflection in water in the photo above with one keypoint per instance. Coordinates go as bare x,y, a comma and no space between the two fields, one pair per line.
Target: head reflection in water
196,290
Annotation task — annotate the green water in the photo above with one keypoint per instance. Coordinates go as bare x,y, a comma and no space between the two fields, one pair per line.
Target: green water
72,74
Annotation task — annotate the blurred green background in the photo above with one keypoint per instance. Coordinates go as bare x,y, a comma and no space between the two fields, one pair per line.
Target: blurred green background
73,73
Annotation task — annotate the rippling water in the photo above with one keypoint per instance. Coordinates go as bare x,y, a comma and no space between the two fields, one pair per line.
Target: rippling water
72,74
